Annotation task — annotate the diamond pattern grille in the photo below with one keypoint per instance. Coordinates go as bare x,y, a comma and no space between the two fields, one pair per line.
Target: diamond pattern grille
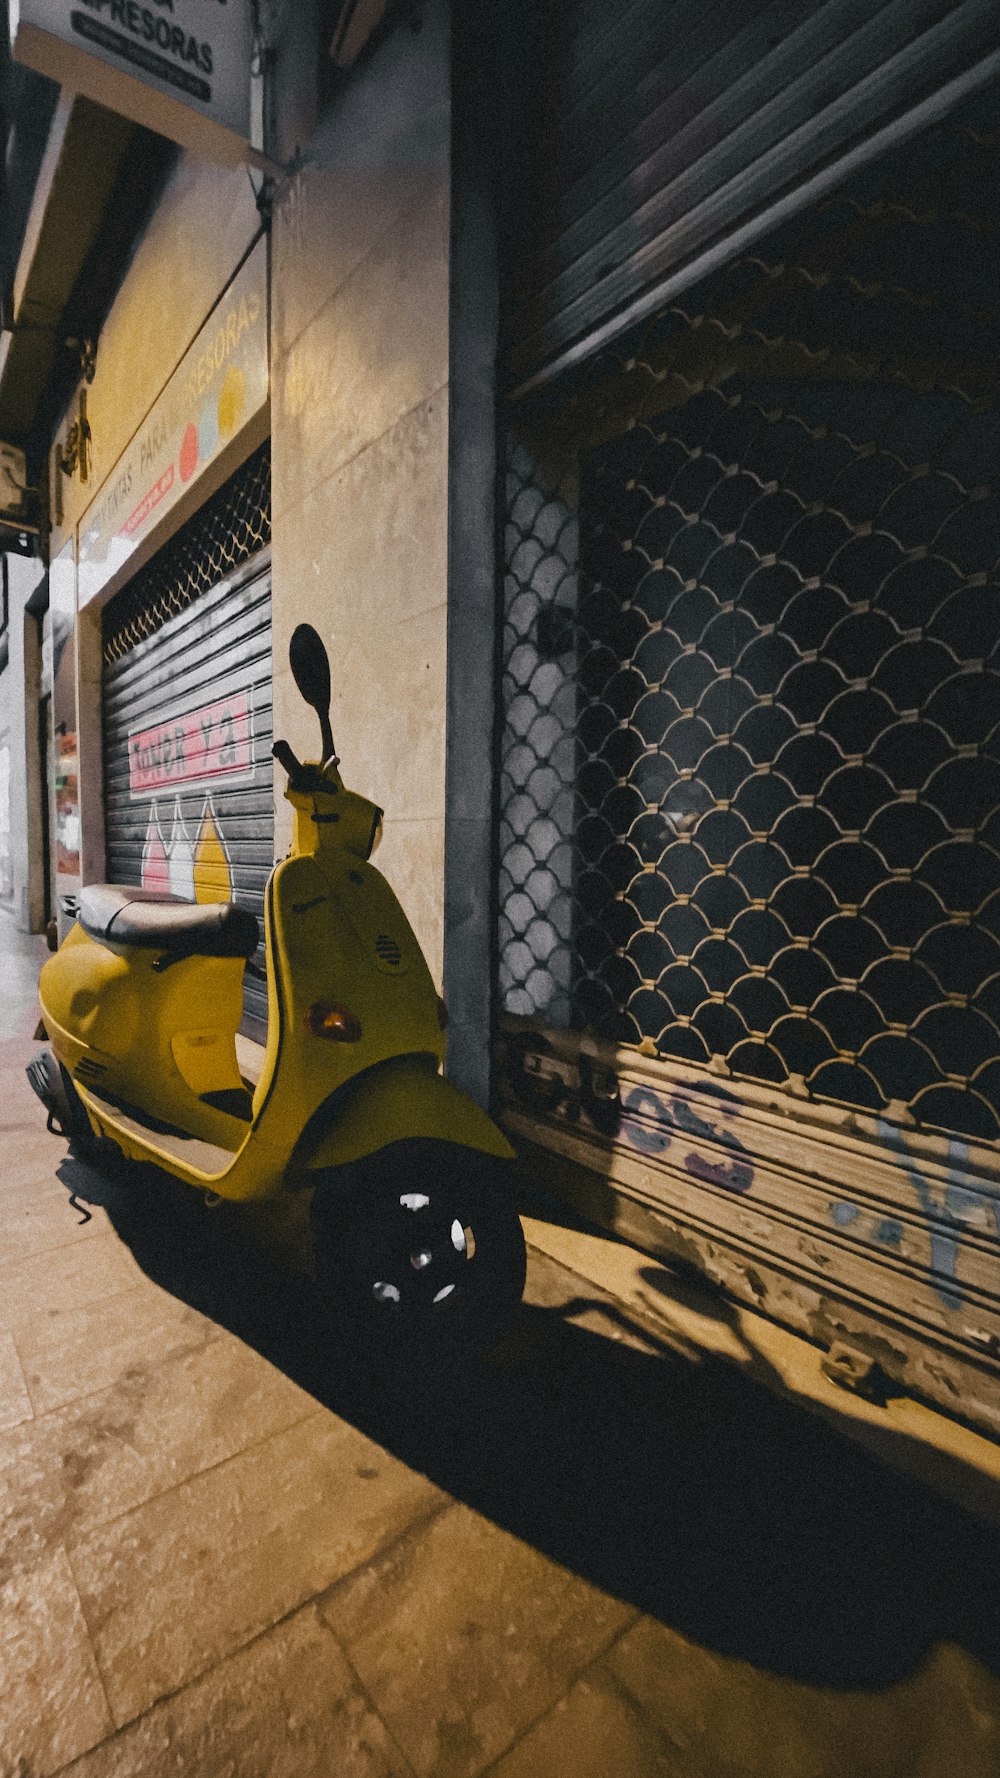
230,528
750,789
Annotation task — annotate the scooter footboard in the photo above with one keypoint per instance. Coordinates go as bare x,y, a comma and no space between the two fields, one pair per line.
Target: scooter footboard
396,1101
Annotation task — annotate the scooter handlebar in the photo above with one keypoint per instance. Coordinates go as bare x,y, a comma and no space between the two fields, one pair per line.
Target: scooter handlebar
305,778
285,757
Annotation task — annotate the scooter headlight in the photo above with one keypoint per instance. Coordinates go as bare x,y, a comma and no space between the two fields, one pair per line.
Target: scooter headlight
337,1023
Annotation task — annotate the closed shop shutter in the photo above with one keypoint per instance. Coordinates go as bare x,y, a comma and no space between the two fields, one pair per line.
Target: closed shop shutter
187,713
749,843
646,142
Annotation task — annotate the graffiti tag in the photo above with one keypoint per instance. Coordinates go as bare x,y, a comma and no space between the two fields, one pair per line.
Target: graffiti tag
960,1207
648,1120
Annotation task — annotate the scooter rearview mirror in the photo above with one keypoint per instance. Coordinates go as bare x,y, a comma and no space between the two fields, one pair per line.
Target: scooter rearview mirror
311,672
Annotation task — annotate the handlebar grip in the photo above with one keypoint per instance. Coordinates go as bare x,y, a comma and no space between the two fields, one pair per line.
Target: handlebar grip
306,779
285,757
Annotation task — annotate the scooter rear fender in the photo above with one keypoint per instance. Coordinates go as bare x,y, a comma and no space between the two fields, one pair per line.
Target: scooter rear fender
395,1101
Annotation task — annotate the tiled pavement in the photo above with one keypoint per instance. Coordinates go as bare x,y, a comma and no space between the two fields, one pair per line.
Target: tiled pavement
608,1551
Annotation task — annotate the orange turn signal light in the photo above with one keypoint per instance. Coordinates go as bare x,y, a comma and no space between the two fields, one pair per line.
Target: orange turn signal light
326,1019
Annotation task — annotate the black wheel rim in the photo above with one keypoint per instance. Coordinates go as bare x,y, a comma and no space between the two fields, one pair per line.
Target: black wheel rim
416,1260
440,1266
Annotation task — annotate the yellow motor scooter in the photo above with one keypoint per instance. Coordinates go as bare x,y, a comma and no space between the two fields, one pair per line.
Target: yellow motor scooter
415,1229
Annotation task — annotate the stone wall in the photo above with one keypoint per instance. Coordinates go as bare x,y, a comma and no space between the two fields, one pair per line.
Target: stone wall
360,445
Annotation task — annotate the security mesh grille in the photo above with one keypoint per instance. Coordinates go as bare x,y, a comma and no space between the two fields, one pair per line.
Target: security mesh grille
230,528
750,791
213,642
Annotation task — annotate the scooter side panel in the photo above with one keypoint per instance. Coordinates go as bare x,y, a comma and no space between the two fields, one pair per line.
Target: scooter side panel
151,1040
88,990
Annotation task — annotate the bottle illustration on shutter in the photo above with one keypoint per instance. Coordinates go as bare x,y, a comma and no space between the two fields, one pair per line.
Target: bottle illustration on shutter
181,857
196,868
155,872
213,877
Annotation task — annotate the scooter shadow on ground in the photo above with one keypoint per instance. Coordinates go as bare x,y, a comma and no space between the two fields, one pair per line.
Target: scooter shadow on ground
682,1487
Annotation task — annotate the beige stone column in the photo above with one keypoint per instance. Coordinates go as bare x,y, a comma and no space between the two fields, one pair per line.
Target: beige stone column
360,446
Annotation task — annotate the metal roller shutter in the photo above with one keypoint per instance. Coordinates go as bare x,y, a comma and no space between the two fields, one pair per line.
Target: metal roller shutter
749,838
187,713
645,146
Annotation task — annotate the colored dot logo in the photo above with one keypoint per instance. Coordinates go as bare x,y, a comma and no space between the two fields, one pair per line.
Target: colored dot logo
189,452
232,399
208,430
218,420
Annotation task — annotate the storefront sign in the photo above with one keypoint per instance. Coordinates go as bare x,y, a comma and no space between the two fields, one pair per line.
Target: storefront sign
219,385
181,67
188,857
213,742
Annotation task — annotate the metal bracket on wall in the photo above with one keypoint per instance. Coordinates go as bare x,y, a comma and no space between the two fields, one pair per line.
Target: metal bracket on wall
83,346
87,350
74,457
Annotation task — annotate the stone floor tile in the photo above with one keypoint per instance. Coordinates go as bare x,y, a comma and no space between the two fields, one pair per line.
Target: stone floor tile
29,1186
582,1303
462,1634
960,1716
728,1719
287,1706
52,1705
64,1277
594,1732
28,1149
173,1412
37,1216
77,1351
34,1509
190,1577
17,1111
34,1178
15,1402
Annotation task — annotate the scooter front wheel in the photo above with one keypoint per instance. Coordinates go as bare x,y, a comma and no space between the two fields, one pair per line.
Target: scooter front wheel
424,1253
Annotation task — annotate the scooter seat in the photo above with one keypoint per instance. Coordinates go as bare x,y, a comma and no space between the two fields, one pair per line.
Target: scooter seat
117,914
